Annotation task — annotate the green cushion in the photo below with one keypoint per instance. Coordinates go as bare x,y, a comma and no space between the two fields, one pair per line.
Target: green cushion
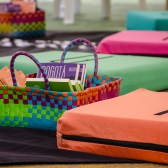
137,72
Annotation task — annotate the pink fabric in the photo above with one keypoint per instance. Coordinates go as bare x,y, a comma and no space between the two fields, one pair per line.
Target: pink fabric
135,42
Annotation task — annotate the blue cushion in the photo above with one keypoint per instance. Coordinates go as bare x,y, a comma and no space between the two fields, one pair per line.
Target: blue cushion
147,20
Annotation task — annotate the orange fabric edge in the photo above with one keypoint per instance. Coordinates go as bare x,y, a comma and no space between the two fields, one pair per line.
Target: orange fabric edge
113,151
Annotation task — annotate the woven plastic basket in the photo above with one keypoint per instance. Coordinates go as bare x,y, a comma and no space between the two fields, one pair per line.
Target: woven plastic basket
38,108
21,25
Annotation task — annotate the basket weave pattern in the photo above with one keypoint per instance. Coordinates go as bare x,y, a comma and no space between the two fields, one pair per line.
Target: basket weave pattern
22,24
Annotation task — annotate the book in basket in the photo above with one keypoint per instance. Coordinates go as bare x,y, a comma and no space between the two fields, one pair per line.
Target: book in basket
59,85
76,85
82,74
9,7
60,70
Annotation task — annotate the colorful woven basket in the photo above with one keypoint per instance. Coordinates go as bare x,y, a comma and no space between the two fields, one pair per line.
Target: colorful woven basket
21,25
38,108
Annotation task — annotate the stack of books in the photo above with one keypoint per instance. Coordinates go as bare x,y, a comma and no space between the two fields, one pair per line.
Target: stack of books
6,79
63,77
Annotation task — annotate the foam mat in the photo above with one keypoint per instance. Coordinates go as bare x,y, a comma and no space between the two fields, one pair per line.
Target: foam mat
137,72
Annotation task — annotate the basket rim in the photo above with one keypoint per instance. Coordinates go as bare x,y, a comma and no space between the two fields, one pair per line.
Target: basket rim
25,89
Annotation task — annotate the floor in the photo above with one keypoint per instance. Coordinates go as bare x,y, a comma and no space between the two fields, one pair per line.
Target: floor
89,166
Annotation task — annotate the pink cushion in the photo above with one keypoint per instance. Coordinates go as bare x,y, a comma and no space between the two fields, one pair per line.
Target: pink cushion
135,42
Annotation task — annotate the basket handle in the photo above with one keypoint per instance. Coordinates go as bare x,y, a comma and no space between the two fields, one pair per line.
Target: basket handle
78,40
36,62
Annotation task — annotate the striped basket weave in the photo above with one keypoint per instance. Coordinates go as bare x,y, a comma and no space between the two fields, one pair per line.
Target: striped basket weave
21,25
40,109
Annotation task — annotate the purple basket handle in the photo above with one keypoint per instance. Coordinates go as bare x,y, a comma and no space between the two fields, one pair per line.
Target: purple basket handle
78,40
36,62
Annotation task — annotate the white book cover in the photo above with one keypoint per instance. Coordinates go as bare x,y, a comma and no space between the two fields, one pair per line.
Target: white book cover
84,75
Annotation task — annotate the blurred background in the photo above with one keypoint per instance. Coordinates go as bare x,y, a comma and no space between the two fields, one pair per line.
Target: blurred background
88,22
90,17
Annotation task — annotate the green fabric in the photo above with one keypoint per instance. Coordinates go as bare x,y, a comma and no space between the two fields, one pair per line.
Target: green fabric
28,66
137,72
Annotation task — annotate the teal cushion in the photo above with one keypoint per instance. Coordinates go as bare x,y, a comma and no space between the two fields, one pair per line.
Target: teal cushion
147,20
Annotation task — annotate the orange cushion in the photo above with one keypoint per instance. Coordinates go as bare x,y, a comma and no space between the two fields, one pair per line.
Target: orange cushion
131,126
